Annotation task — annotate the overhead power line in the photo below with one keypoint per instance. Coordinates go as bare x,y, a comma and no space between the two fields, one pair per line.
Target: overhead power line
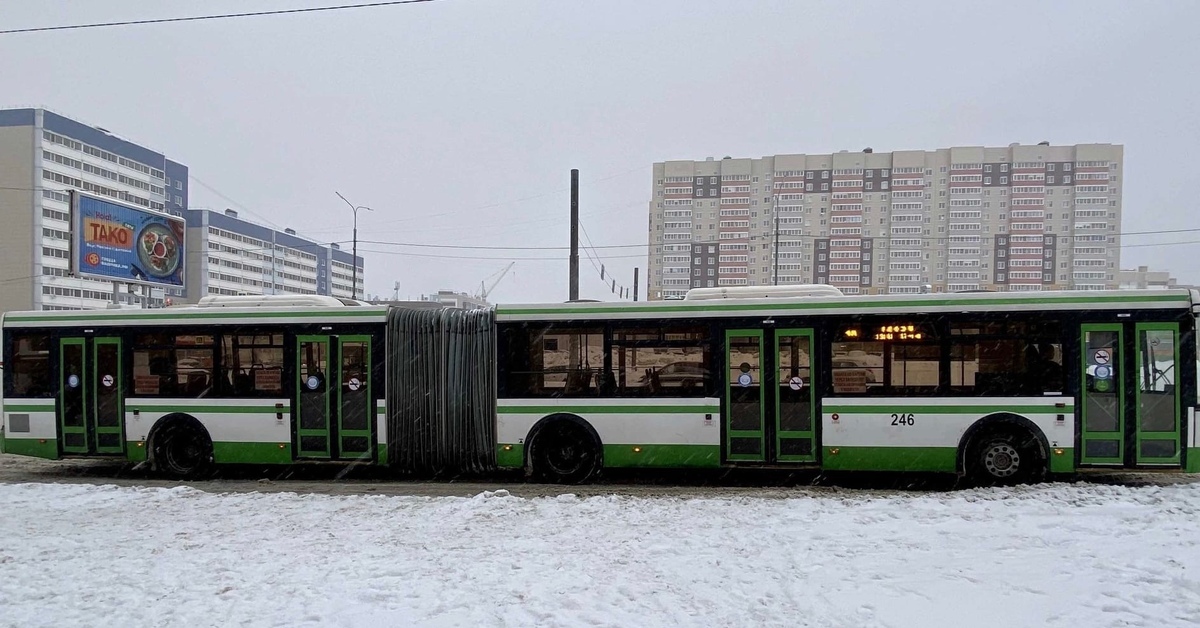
498,248
221,16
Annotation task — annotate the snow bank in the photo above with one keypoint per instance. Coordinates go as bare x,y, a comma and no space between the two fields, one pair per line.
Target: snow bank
1077,555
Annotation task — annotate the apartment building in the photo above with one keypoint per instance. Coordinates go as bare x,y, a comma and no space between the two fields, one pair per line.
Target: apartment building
1017,218
43,156
228,255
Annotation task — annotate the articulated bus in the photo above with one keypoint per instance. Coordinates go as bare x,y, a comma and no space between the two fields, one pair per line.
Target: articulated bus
1000,387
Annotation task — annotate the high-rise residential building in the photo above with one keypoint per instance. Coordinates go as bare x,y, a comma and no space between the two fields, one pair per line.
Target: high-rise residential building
228,255
43,156
1017,218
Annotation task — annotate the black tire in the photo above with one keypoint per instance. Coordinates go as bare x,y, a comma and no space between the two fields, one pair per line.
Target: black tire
564,452
1005,458
182,449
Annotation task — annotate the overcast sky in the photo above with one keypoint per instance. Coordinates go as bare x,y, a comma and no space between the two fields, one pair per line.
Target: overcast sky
458,121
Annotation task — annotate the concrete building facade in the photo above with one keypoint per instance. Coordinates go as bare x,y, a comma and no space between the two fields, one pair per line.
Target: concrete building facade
1018,218
228,255
1143,278
43,156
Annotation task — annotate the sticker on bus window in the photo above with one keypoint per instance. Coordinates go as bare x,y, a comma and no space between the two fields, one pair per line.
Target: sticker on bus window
850,380
268,379
72,381
312,382
145,384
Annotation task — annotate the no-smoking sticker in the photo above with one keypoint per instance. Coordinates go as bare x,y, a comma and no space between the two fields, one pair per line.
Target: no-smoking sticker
354,383
107,380
1103,356
795,383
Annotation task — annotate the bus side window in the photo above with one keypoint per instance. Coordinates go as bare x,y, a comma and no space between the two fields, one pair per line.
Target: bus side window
29,370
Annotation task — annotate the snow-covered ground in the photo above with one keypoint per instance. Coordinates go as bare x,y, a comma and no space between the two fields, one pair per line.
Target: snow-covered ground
1059,555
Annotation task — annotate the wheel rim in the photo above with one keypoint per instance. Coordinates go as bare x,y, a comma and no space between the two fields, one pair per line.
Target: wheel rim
1001,460
183,453
567,452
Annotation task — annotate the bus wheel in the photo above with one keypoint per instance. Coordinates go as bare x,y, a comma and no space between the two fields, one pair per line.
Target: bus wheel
182,448
1004,458
564,452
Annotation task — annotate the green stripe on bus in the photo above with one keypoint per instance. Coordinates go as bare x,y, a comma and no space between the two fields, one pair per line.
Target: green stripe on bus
253,453
922,303
1062,463
608,409
181,315
133,453
680,456
1193,460
886,408
208,409
511,458
381,455
28,407
890,459
31,447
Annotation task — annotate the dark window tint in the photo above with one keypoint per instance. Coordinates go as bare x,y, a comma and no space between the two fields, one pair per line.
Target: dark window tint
659,362
549,360
252,365
173,365
29,368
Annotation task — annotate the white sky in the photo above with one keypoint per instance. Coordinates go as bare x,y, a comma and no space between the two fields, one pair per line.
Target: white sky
458,121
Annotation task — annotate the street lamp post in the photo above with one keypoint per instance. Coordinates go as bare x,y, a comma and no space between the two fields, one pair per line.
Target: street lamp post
354,261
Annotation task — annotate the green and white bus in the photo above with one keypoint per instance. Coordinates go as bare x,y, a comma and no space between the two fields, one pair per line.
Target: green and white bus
1002,387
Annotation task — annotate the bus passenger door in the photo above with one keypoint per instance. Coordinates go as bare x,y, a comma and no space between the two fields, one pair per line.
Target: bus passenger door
1157,405
744,403
769,396
1138,427
313,403
794,403
334,405
354,397
1103,390
91,404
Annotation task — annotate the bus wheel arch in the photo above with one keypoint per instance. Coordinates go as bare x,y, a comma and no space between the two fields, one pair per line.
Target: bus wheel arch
180,446
1003,448
563,448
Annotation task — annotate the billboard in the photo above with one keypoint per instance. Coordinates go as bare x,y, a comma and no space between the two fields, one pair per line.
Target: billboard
127,244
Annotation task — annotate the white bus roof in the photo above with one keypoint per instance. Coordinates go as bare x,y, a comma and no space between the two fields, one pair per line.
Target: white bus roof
218,314
899,304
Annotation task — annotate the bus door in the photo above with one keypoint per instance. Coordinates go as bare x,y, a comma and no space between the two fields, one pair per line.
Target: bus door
334,403
769,396
91,396
1131,403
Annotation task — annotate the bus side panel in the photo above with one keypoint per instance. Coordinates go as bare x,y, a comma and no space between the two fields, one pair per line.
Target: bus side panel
911,434
30,428
242,430
683,432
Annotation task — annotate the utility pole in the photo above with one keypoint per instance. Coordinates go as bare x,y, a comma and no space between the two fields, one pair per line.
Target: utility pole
574,285
775,254
354,260
635,283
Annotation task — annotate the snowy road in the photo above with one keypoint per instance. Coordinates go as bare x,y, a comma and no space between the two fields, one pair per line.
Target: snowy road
1058,555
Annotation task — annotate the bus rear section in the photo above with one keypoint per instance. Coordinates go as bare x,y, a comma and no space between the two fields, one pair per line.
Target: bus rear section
1003,387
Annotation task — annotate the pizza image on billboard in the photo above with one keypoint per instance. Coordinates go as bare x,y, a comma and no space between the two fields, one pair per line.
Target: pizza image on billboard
127,244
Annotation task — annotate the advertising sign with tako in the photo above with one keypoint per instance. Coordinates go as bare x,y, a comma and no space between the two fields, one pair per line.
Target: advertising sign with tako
127,244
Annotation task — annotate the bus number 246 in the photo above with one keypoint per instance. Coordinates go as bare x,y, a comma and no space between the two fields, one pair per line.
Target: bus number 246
903,419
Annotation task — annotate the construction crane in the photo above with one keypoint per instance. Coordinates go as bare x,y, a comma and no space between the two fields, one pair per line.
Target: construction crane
485,289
